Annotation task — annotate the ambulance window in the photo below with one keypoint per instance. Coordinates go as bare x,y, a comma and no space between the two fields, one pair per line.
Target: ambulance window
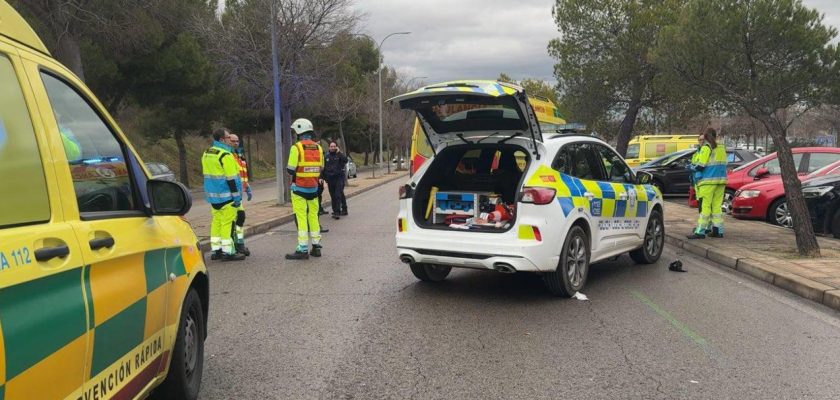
633,151
25,199
97,159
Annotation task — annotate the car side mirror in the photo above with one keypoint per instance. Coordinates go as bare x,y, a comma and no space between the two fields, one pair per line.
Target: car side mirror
644,178
761,173
168,198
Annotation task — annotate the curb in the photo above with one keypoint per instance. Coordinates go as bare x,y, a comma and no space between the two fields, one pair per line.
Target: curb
265,226
801,286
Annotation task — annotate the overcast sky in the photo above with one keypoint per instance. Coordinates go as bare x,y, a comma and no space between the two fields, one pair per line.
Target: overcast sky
456,39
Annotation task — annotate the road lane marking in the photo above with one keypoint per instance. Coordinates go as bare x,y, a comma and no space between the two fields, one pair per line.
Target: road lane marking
696,338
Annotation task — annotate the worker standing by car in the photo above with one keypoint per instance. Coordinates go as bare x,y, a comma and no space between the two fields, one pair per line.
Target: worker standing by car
334,173
222,190
306,161
695,160
239,224
710,179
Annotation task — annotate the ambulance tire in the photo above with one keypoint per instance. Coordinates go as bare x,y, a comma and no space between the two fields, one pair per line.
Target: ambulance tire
430,273
654,241
573,268
184,378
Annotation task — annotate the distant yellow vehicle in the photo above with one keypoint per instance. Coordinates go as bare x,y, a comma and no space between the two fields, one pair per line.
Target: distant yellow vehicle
644,148
103,290
546,111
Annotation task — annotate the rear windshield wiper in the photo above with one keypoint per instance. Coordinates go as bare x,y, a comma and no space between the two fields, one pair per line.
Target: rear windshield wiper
461,136
487,137
510,137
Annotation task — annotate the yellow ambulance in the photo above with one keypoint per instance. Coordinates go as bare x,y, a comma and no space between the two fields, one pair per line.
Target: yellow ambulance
103,290
644,148
546,111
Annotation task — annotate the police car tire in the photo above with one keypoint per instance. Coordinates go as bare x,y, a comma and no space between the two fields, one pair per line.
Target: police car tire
177,384
641,255
430,273
558,282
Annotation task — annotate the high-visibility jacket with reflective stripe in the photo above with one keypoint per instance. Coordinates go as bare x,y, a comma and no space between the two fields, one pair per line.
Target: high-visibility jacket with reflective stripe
221,175
712,165
307,159
243,170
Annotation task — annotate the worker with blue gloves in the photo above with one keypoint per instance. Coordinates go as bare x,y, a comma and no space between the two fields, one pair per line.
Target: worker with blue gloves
239,224
709,175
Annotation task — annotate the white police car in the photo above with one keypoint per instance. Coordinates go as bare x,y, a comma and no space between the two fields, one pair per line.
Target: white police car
501,195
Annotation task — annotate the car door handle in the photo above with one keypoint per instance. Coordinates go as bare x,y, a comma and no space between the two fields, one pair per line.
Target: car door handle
100,243
622,196
48,253
589,196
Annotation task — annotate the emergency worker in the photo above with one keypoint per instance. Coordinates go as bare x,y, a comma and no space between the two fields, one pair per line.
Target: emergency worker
710,180
222,190
695,159
239,223
306,161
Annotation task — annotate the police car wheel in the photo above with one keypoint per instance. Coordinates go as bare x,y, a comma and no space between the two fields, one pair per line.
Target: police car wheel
429,272
654,241
184,378
573,269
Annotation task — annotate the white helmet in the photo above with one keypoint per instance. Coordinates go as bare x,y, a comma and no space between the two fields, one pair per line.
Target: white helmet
301,126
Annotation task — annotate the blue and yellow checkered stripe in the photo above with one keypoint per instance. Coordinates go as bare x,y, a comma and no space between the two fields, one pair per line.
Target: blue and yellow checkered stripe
606,200
44,322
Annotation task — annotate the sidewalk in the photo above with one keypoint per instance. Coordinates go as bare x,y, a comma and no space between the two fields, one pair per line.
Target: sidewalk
766,252
263,213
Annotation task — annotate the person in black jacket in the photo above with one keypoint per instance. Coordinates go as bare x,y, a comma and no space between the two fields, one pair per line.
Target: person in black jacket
334,173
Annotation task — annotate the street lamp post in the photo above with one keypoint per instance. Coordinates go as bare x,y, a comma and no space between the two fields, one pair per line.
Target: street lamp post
379,52
278,124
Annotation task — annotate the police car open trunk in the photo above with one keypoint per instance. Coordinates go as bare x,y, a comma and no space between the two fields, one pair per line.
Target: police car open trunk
470,187
483,135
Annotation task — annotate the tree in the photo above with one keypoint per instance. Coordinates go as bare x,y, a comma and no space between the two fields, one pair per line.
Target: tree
604,58
66,26
241,47
760,56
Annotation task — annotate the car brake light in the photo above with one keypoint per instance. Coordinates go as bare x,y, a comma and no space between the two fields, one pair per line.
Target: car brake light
538,195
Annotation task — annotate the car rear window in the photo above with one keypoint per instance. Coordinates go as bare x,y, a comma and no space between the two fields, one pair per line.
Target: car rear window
448,114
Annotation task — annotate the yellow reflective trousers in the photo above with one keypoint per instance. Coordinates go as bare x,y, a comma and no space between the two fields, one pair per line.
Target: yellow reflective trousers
306,216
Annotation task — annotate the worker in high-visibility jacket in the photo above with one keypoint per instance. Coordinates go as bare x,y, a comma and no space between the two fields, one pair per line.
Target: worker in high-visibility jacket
710,179
306,161
223,191
239,223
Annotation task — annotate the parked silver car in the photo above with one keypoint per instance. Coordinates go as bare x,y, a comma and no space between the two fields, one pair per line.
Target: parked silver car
350,168
161,171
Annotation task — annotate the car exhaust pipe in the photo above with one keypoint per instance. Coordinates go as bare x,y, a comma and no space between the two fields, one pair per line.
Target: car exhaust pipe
504,268
407,259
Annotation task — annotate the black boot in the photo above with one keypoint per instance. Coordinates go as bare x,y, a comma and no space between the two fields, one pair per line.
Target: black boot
716,233
233,257
298,255
240,248
695,235
216,255
336,216
344,212
316,250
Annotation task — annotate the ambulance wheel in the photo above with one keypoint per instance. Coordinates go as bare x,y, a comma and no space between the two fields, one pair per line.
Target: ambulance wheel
654,241
429,272
573,268
184,378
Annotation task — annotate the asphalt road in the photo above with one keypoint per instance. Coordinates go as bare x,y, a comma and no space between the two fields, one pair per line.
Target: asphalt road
357,324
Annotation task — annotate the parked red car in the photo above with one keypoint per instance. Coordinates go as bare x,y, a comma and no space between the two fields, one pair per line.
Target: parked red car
807,159
766,199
